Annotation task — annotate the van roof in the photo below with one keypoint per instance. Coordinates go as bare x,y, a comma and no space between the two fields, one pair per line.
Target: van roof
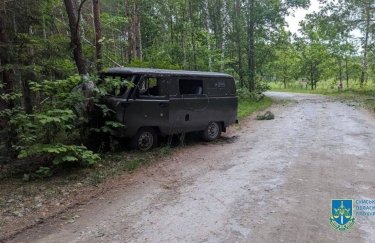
164,72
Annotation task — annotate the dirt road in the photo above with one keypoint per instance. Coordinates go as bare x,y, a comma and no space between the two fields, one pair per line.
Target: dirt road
267,181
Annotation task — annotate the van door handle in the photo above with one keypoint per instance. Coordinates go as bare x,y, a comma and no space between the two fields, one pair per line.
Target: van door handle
163,105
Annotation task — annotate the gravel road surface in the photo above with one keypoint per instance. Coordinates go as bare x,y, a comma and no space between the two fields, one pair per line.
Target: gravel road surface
264,181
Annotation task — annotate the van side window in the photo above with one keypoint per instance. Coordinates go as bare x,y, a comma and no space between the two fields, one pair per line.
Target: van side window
150,87
191,86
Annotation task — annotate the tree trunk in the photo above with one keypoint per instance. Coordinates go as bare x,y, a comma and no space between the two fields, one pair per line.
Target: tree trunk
183,43
4,61
8,87
129,31
98,34
138,38
193,42
218,17
171,28
347,72
251,45
75,37
365,46
26,92
340,74
224,13
30,76
44,28
114,47
207,25
312,76
238,40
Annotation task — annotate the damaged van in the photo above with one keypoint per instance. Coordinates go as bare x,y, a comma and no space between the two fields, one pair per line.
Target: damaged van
161,102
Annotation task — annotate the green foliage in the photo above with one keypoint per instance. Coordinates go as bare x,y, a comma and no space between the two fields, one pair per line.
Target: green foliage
245,94
10,97
113,21
159,59
261,86
105,121
61,153
56,120
110,86
257,94
59,93
42,172
50,132
109,127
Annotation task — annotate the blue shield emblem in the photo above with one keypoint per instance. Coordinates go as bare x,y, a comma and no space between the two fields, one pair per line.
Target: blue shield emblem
342,214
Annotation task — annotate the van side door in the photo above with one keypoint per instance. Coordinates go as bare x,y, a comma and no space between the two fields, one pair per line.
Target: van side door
188,105
149,106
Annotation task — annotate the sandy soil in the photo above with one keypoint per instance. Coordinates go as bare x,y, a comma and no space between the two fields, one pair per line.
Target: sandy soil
266,181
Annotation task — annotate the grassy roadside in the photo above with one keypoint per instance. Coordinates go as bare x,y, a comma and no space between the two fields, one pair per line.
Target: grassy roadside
247,107
23,204
306,91
364,98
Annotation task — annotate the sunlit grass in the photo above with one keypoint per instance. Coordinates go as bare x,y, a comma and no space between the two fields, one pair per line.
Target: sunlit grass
326,87
247,107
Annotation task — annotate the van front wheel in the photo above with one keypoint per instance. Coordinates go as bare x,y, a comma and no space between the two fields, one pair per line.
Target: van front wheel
145,139
212,132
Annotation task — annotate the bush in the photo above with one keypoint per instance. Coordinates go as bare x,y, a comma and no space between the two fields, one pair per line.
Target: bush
260,87
245,94
52,132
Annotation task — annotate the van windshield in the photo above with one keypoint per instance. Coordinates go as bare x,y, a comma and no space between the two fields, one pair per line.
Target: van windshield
115,85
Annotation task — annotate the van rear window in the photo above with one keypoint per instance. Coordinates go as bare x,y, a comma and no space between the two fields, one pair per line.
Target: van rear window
191,86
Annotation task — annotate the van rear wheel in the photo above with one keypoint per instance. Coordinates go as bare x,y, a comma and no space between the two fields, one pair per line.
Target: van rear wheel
212,132
145,139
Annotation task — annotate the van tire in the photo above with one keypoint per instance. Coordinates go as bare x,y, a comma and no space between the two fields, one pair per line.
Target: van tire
145,139
212,132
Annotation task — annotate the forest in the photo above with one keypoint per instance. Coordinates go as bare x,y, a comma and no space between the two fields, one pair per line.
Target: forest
51,52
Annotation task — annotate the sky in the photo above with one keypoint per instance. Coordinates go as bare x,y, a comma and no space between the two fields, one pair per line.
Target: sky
299,14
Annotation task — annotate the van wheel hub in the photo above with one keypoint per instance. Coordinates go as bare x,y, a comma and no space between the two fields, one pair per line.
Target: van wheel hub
213,130
145,141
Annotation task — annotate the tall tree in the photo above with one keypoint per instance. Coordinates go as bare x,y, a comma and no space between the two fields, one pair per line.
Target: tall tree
237,18
137,32
74,16
98,34
368,13
354,14
5,61
251,14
